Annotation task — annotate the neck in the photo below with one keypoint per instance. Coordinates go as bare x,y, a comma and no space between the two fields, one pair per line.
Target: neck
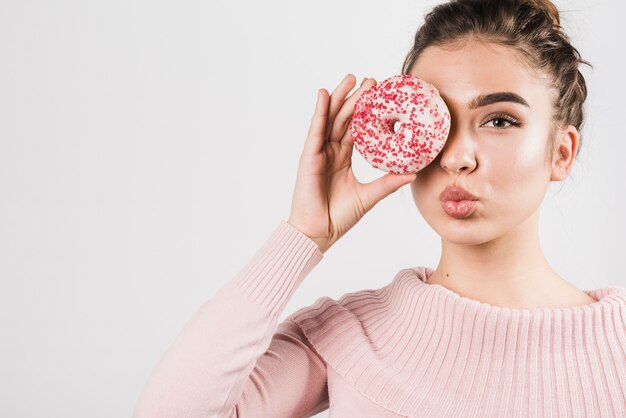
509,271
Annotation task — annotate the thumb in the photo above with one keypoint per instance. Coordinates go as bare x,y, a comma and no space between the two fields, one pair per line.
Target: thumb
382,187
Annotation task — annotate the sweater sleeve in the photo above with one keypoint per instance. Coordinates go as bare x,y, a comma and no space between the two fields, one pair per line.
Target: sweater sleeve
232,358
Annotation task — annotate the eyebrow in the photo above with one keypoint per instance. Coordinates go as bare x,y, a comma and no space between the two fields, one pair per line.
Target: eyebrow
502,96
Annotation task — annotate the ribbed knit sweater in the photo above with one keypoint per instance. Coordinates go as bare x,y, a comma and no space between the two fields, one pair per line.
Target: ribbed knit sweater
408,349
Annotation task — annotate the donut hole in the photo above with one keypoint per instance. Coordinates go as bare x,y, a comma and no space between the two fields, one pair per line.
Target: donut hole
396,126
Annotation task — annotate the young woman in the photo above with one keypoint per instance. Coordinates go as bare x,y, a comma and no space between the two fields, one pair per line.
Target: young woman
493,331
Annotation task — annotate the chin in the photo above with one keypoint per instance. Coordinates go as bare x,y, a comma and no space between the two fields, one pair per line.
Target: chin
466,231
463,239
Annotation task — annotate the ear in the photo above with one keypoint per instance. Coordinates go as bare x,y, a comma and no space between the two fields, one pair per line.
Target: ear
565,149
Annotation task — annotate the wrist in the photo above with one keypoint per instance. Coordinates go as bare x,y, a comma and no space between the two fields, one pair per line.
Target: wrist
322,243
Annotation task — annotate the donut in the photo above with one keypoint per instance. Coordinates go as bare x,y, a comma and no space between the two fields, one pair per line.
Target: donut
424,124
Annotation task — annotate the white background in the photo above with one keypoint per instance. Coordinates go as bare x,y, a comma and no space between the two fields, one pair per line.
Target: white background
149,148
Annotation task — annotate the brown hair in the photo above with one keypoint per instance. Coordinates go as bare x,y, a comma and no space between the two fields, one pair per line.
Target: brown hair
532,28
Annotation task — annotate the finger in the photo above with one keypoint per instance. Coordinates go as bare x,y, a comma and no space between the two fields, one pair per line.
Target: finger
338,105
347,140
337,98
314,142
344,116
382,187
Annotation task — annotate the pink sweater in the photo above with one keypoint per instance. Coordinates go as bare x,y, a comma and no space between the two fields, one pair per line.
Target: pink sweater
408,349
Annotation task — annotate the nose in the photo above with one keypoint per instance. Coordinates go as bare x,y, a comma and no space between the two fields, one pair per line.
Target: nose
458,153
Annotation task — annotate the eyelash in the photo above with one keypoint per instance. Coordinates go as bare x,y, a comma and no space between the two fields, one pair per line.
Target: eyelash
505,117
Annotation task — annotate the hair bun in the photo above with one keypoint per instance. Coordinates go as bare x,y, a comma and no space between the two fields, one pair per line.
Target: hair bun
550,9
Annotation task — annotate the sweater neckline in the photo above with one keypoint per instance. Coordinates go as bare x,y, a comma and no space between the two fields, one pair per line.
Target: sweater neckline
604,297
390,343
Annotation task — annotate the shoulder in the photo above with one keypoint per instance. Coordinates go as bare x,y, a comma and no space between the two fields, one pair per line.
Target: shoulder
352,309
355,327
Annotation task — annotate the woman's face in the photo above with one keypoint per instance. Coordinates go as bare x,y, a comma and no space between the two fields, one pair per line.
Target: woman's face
495,151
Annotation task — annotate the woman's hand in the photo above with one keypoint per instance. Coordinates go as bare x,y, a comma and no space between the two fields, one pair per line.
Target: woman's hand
328,200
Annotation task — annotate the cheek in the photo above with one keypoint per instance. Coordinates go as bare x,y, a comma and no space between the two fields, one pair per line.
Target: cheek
510,175
518,175
425,189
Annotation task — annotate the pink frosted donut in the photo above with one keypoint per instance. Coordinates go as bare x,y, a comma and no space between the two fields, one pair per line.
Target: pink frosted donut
424,124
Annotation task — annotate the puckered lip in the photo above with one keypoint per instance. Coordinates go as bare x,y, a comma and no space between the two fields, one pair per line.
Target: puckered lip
456,193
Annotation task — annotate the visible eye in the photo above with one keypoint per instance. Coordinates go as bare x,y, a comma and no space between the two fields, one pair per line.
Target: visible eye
503,118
